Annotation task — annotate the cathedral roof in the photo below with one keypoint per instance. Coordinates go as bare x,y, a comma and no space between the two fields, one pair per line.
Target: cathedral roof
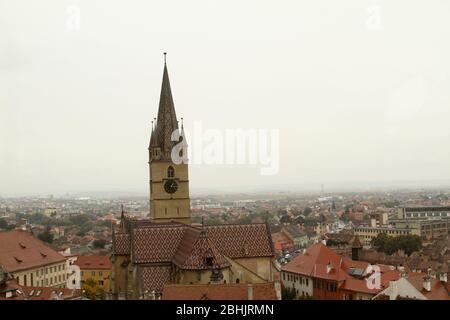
164,243
197,252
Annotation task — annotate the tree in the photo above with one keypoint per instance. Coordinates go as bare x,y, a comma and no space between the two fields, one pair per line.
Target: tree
93,291
288,294
389,245
379,241
3,224
285,219
99,243
46,236
81,233
307,211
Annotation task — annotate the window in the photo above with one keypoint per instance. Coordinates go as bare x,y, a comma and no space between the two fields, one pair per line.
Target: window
93,273
100,273
170,172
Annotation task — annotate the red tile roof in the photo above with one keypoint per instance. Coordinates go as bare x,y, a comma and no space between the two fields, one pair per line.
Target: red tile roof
154,278
260,291
194,251
93,262
363,285
47,293
233,241
314,261
438,289
20,250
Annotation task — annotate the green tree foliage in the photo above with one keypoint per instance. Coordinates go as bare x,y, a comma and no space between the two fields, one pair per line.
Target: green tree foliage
390,245
99,243
379,241
288,294
3,224
93,291
46,236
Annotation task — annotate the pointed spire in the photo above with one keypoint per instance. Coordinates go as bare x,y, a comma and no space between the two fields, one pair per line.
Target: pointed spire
167,119
122,213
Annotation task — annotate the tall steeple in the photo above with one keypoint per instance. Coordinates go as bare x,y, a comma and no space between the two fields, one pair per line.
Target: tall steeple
166,122
169,178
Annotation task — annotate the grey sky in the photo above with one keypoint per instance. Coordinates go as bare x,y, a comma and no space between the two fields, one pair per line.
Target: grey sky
354,99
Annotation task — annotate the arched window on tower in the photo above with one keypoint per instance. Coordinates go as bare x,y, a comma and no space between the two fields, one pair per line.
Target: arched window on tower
170,172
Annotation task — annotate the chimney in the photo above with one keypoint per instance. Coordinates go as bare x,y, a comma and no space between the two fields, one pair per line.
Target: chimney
329,267
394,290
443,277
427,283
250,291
278,290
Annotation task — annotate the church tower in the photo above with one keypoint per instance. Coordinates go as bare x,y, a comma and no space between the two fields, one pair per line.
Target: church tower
169,180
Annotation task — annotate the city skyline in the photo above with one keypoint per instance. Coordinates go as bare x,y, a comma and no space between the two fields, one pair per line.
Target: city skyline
360,104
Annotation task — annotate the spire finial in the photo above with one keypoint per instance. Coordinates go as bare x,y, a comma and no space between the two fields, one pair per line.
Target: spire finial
182,126
165,54
152,126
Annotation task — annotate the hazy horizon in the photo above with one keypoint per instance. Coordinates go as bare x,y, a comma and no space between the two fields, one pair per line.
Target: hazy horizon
358,89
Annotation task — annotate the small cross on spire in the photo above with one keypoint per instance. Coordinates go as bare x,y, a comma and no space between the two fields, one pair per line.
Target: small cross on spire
165,54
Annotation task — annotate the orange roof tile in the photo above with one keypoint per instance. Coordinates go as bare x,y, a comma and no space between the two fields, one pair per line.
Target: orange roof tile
93,262
20,250
261,291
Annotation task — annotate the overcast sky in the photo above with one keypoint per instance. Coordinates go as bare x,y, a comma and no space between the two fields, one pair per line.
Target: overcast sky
359,90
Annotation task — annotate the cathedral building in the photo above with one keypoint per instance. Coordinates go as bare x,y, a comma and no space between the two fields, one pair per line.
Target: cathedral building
166,249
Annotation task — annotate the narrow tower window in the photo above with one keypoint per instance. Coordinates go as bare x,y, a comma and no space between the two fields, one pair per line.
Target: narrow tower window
170,172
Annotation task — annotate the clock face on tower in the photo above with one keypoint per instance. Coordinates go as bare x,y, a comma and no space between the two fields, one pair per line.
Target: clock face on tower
170,186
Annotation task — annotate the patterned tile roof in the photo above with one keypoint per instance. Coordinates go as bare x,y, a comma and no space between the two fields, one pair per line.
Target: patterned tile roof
155,244
121,243
155,277
242,240
197,252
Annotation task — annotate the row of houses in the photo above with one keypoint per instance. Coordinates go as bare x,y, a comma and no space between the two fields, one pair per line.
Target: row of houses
32,265
321,273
